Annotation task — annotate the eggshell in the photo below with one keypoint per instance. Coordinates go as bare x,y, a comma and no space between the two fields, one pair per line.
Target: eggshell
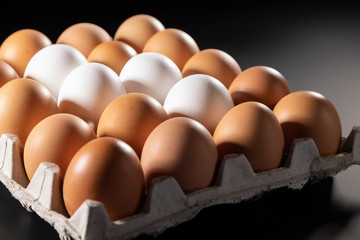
18,48
55,139
107,170
213,62
259,83
24,103
309,114
182,148
7,73
200,97
113,54
131,118
150,73
88,89
137,29
84,37
52,64
252,129
173,43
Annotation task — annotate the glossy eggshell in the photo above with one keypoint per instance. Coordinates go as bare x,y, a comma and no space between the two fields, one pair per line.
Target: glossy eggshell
55,139
113,54
106,170
23,103
18,48
52,64
84,36
88,89
213,62
309,114
131,118
182,148
252,129
137,29
200,97
173,43
259,83
151,73
7,73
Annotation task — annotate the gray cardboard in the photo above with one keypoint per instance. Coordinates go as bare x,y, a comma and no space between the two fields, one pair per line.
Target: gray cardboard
166,205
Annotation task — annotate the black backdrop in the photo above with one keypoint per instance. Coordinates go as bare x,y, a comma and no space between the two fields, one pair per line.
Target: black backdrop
303,41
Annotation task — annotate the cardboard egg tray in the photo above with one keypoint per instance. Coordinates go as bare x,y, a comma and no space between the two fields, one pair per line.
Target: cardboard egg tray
166,205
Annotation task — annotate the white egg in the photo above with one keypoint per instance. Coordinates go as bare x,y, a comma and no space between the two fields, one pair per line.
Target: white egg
150,73
200,97
52,64
88,89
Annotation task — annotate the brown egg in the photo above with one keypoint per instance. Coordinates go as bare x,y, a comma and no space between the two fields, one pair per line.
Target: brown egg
173,43
55,139
7,73
252,129
23,103
309,114
259,83
182,148
84,37
131,118
113,54
137,30
105,170
18,48
213,62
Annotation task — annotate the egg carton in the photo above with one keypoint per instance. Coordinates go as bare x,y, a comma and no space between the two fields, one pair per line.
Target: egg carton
166,205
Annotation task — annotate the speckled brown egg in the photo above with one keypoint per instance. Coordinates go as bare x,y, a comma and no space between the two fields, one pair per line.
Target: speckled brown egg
309,114
84,37
252,129
259,83
113,54
55,139
23,103
213,62
18,48
182,148
107,170
137,29
131,118
173,43
7,73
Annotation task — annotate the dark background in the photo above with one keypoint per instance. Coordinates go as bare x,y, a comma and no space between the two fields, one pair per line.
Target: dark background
315,46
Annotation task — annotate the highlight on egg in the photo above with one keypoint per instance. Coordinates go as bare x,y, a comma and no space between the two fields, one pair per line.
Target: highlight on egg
151,73
108,170
182,148
259,83
137,30
55,139
19,47
84,36
113,54
173,43
52,64
23,104
131,118
252,129
213,62
310,114
88,89
200,97
7,73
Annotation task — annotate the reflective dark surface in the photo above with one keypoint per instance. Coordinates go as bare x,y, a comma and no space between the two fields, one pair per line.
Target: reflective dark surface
315,46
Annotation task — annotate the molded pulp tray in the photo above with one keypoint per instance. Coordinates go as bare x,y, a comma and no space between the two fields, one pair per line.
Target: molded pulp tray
165,205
